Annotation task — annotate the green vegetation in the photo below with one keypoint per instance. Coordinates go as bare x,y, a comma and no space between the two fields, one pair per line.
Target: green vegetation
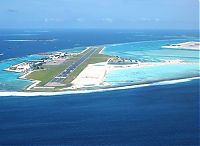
46,74
95,58
50,71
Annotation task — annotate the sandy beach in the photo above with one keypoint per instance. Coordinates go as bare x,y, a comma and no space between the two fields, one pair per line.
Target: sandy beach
186,45
94,74
34,82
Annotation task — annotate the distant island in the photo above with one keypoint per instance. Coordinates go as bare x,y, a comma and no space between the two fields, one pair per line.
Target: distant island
186,45
61,71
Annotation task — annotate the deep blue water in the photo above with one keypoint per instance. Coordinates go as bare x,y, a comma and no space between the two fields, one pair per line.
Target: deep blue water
51,40
151,116
145,45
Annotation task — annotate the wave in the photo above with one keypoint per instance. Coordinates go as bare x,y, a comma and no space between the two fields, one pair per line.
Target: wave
51,40
176,81
95,90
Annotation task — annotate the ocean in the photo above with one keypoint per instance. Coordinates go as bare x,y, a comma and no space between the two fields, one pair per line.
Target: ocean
162,114
142,45
19,43
166,115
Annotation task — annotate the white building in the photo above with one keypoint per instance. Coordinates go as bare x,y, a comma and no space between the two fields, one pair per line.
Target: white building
23,67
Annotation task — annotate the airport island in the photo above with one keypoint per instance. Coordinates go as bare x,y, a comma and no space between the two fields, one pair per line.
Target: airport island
60,70
63,71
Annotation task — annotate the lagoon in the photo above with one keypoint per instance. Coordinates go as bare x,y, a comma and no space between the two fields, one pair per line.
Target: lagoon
140,49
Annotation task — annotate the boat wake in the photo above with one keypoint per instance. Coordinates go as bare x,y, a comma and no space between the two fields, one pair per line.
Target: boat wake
95,90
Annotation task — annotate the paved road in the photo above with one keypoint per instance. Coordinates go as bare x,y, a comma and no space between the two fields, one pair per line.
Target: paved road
63,75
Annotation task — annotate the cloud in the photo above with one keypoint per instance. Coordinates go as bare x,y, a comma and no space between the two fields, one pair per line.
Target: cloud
46,20
150,19
157,19
80,19
108,20
12,10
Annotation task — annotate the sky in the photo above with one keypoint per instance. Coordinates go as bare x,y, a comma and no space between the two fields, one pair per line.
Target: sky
127,14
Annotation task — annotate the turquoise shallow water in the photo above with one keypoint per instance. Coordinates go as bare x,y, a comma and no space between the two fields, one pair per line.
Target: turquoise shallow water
152,51
143,51
152,74
158,115
9,80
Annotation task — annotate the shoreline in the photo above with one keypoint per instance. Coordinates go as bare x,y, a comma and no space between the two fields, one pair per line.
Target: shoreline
83,80
184,46
106,44
98,80
89,79
34,83
158,83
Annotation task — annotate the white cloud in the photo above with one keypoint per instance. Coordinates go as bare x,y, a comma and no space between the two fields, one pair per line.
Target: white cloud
108,20
150,19
157,19
46,20
80,19
145,19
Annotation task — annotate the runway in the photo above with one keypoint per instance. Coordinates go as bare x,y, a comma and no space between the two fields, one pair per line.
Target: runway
64,74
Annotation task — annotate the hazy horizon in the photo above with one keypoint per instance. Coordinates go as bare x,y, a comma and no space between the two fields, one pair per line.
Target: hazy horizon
104,14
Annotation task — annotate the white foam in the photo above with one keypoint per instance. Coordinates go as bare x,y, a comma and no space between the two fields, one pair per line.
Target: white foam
68,92
176,81
95,90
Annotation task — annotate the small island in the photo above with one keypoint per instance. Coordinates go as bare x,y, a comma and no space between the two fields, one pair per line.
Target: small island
185,45
58,71
67,71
